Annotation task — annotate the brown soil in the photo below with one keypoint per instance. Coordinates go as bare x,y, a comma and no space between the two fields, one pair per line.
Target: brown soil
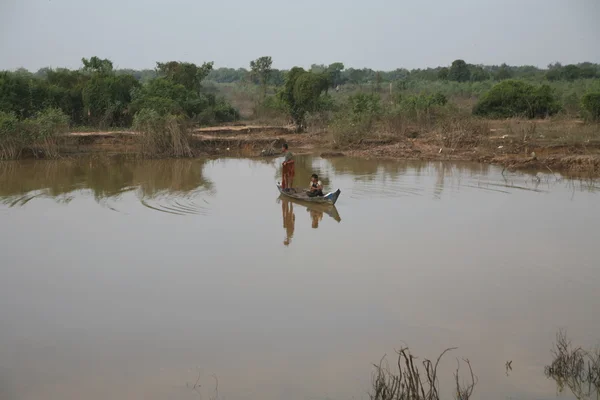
502,147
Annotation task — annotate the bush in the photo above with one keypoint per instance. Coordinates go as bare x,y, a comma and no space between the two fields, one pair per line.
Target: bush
162,135
512,98
590,103
10,146
39,134
356,119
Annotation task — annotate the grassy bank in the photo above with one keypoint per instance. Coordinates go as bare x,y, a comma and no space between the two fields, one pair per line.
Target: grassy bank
520,117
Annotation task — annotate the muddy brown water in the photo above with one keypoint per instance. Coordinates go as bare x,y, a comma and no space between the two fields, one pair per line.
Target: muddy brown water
139,280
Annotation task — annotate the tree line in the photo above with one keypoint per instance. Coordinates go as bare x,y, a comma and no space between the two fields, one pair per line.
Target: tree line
97,95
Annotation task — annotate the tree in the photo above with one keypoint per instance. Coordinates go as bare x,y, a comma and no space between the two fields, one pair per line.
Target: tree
459,71
571,72
443,73
262,69
301,93
187,74
357,76
591,105
335,74
97,65
513,98
503,73
478,74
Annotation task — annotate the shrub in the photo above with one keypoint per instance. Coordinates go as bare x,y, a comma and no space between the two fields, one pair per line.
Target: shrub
162,135
356,119
10,146
512,98
590,103
39,134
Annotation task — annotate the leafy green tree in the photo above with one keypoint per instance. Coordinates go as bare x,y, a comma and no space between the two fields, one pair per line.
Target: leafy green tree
106,99
513,98
478,74
187,74
97,65
335,74
503,73
262,68
301,93
167,97
443,74
357,76
590,103
459,71
570,72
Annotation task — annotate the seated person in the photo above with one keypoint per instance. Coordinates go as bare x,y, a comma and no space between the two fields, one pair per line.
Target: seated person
315,186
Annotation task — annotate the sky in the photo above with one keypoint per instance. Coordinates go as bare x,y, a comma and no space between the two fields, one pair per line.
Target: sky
378,34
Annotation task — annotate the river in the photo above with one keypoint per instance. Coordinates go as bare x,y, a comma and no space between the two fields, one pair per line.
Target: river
157,279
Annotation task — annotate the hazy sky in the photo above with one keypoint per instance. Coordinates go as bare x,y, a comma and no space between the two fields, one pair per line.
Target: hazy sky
380,34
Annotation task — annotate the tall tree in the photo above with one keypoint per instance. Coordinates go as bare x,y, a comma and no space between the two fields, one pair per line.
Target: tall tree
459,71
187,74
97,65
335,73
261,68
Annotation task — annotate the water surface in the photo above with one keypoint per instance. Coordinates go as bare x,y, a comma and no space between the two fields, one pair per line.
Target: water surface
137,279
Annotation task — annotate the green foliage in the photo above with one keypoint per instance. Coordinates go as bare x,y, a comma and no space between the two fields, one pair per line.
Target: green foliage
97,65
478,74
335,74
423,102
503,73
572,72
443,74
106,99
513,98
364,104
261,69
187,74
302,93
459,71
49,123
356,119
590,103
39,134
167,97
218,110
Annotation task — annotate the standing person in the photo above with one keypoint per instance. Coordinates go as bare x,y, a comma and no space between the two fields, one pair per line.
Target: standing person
287,171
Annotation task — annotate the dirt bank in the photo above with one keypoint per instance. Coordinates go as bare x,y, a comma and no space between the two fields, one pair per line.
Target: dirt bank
510,148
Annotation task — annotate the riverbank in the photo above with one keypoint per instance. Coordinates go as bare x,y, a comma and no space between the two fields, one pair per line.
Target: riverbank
569,147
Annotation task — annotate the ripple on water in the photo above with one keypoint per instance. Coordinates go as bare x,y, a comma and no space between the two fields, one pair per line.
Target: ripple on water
177,205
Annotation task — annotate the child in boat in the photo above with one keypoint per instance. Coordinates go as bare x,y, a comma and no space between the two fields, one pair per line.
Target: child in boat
315,187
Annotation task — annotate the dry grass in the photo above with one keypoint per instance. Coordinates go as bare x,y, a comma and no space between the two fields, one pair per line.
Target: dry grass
162,136
575,368
413,382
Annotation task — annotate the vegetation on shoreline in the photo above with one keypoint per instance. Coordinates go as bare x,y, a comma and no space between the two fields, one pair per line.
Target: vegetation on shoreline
449,104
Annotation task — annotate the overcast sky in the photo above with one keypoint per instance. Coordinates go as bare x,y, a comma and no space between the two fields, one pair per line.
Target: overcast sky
380,34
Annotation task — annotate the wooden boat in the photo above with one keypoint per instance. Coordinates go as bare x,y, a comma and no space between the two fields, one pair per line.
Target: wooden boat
300,194
326,208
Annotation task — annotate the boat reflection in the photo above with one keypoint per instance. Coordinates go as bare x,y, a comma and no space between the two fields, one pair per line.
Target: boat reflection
315,210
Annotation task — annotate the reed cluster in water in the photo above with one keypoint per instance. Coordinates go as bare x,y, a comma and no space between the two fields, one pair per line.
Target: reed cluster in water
162,135
575,368
416,382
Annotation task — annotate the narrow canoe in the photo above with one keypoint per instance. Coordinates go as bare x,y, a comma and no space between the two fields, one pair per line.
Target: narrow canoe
300,194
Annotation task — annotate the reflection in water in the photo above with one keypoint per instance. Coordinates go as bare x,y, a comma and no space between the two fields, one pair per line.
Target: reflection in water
170,186
287,208
575,368
315,212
